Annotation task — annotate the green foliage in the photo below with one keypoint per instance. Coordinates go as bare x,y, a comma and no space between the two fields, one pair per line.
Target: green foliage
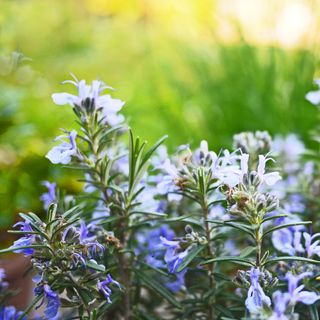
187,88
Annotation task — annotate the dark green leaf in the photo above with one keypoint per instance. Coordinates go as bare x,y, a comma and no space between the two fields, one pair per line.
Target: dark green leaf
95,266
192,254
237,260
286,226
157,287
30,306
289,258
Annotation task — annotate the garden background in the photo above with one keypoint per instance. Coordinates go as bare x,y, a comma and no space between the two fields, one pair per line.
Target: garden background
192,69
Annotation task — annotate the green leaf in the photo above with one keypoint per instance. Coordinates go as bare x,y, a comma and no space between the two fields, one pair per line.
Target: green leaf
237,260
149,153
180,218
52,210
223,310
247,251
152,213
240,226
313,311
286,226
290,258
34,246
70,212
98,267
274,217
35,217
30,306
157,287
155,269
192,254
86,296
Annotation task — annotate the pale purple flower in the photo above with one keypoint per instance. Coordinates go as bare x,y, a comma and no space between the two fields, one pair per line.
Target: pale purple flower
50,196
290,241
314,96
280,301
312,248
284,302
286,241
3,284
268,178
256,298
295,291
109,106
64,152
166,184
159,157
2,274
289,149
204,153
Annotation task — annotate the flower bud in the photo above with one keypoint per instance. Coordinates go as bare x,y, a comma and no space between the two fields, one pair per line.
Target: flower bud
254,179
188,229
272,202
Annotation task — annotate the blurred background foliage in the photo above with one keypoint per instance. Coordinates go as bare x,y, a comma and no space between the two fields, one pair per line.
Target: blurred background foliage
193,69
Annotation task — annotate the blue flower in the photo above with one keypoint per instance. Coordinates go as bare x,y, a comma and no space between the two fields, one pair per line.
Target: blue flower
93,246
178,283
63,152
256,298
25,241
50,196
10,313
51,298
174,255
103,287
154,253
3,284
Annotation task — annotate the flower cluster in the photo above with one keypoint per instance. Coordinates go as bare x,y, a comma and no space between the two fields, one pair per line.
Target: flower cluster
7,312
116,249
64,251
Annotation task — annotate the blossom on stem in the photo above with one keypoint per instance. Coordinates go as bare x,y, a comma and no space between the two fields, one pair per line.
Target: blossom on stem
50,298
295,291
92,93
314,96
256,298
285,302
10,313
290,242
50,196
25,241
269,178
63,152
103,287
174,255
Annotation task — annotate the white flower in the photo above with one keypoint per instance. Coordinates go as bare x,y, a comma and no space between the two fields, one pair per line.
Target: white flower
63,152
314,96
109,106
269,178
